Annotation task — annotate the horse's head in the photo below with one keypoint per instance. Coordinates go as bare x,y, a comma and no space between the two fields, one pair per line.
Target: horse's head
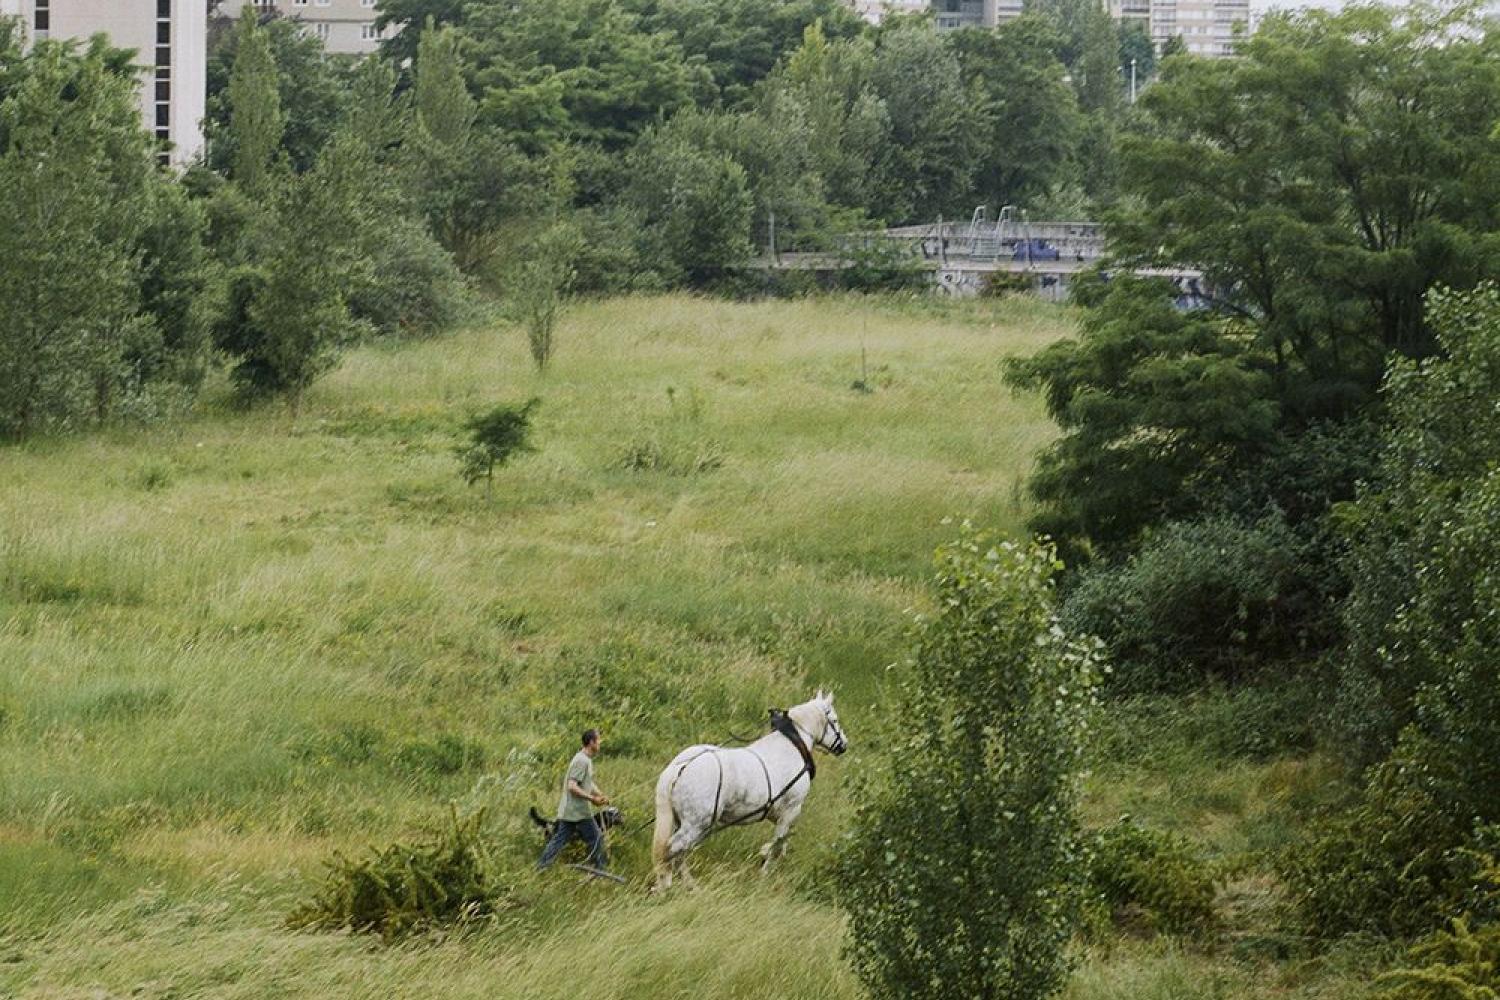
824,727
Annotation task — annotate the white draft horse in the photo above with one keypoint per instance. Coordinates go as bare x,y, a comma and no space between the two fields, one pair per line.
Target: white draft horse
710,787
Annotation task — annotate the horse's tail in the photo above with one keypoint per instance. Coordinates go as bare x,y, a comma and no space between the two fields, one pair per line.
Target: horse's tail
666,822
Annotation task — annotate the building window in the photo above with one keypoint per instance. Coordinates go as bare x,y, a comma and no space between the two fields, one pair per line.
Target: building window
321,30
368,33
42,17
367,3
299,3
324,3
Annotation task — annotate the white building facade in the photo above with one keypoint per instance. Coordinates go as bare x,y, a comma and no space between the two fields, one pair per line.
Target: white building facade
1207,27
170,41
344,26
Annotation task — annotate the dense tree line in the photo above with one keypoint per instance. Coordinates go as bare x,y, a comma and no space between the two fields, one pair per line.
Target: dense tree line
633,144
1295,481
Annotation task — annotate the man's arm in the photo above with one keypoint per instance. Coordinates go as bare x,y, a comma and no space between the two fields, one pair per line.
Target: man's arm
576,789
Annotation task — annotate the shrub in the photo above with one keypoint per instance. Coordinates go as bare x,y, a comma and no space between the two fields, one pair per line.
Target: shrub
1208,598
1003,284
495,437
1450,965
413,287
882,266
542,283
961,875
405,887
1133,870
1393,864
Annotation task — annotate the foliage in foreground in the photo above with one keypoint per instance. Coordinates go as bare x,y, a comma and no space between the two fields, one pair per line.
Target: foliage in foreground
962,876
406,887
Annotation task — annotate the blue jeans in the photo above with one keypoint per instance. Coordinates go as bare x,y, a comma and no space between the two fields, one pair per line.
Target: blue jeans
584,830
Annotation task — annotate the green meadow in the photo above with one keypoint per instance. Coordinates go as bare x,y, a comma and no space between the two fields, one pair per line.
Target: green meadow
232,648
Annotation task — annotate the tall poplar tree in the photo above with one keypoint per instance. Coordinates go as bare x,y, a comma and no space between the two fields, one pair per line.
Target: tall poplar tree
255,120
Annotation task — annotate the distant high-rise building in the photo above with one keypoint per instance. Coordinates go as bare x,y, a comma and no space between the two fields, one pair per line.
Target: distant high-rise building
1207,27
169,38
975,13
876,11
345,26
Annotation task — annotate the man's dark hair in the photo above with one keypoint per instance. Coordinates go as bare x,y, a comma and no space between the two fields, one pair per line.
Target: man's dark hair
589,736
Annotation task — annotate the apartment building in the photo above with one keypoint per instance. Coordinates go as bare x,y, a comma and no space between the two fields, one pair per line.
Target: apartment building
975,13
875,11
345,26
169,38
1207,27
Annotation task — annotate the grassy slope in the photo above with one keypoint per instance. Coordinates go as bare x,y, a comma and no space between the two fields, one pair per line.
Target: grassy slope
232,648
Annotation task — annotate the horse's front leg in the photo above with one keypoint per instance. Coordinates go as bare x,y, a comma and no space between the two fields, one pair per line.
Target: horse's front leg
776,846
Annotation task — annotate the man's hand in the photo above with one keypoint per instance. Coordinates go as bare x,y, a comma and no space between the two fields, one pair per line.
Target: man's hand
600,800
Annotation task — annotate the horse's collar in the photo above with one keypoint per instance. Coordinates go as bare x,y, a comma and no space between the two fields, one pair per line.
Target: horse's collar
783,724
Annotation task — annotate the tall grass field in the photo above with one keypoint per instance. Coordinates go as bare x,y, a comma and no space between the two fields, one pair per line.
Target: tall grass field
232,650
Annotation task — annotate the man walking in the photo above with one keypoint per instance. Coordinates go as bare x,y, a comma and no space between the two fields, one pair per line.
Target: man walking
575,818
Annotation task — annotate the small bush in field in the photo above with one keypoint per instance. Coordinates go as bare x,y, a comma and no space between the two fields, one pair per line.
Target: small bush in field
405,887
495,437
1154,873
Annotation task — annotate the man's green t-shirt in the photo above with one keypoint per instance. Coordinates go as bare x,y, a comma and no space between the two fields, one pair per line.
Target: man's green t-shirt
581,770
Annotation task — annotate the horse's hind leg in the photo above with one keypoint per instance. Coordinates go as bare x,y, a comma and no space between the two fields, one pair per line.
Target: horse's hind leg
683,841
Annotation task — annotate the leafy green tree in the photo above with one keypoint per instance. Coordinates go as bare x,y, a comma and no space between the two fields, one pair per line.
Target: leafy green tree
444,109
312,85
542,283
550,71
962,873
467,181
1030,114
100,268
1421,679
403,22
824,86
295,305
1135,46
1098,68
255,119
1153,402
695,205
936,128
1418,558
741,41
495,437
1320,195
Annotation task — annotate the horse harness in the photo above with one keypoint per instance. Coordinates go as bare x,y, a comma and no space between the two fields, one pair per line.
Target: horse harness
783,724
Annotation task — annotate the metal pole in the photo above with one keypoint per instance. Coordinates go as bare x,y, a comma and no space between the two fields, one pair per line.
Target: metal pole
1132,79
772,236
